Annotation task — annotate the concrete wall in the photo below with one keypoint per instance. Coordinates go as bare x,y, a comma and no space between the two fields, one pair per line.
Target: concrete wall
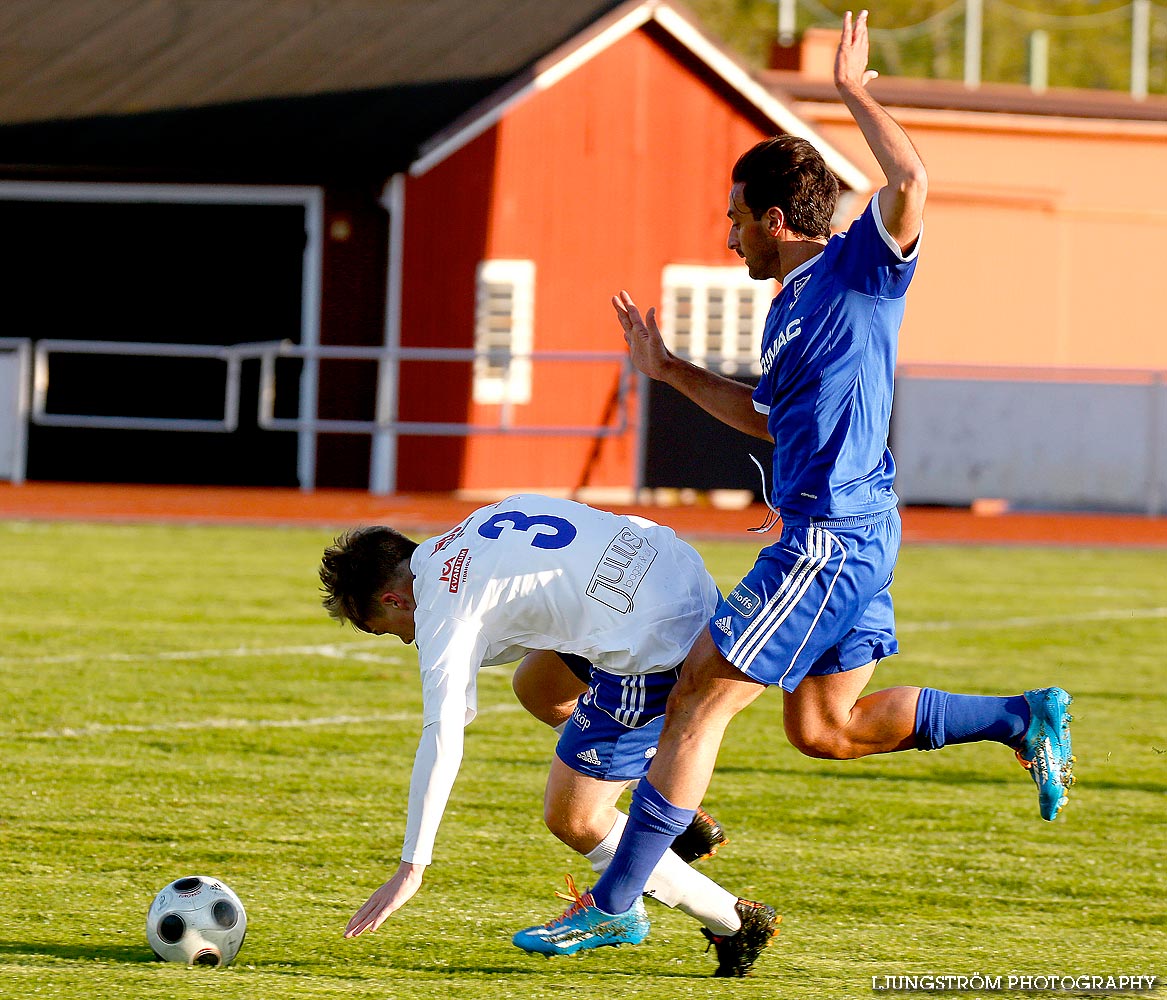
1044,442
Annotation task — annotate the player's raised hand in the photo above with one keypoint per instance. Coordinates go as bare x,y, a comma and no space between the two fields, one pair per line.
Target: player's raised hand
646,346
393,895
851,58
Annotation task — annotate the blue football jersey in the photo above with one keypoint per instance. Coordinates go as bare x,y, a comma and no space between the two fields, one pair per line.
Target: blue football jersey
828,363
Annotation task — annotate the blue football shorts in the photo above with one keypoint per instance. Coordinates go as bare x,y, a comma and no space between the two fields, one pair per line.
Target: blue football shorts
816,602
614,729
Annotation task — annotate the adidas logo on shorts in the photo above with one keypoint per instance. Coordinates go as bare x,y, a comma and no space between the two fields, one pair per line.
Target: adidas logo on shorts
590,757
724,625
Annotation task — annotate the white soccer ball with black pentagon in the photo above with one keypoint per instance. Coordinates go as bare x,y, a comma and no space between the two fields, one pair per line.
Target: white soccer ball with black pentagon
197,921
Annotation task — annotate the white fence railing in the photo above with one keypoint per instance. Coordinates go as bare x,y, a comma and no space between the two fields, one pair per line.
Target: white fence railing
23,362
232,356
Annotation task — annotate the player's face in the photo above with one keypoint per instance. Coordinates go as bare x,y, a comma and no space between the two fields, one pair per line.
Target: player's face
391,620
750,238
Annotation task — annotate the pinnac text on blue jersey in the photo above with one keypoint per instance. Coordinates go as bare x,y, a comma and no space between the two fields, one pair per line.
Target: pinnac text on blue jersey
792,330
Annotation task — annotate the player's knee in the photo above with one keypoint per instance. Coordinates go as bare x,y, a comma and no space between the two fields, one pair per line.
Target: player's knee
814,739
699,702
524,687
574,830
539,702
684,696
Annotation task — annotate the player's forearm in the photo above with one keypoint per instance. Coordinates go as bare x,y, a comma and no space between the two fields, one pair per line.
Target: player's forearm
893,150
902,199
435,766
728,400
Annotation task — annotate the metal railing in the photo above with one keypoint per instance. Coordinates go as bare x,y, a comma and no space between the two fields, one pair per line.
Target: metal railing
384,429
391,424
232,356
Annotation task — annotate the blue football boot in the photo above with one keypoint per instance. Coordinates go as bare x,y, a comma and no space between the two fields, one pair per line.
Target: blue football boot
1045,751
584,926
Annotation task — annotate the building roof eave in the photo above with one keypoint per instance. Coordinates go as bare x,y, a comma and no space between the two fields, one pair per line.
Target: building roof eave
606,32
990,98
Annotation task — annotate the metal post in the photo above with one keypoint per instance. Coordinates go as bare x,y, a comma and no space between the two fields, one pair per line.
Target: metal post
1038,61
383,458
306,437
1140,47
973,29
20,373
642,431
1156,438
786,21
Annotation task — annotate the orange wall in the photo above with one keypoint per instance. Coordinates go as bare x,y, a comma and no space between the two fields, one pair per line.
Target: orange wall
1042,240
617,170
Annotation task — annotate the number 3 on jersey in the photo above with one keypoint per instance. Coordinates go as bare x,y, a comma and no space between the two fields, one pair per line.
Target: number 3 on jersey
561,534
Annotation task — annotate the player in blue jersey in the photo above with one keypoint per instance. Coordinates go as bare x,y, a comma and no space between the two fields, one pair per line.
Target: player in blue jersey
814,615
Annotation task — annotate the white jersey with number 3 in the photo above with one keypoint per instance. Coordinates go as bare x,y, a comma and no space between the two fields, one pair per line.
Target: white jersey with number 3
533,572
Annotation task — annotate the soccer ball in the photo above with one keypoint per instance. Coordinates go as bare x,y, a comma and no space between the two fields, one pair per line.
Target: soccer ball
196,920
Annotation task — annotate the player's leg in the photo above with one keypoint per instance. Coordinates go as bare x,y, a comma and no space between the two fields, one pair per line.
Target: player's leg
707,696
796,602
824,717
1034,724
827,715
595,759
581,811
548,685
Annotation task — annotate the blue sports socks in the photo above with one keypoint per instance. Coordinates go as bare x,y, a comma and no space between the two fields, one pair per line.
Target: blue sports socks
943,718
653,824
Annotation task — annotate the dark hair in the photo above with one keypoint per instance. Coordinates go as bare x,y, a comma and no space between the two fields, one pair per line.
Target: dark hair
356,569
788,172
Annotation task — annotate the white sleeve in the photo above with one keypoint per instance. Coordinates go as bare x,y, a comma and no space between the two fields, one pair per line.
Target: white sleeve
435,766
449,654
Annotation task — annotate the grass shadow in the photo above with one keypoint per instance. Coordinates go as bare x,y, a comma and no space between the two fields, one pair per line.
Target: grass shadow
951,778
80,952
541,968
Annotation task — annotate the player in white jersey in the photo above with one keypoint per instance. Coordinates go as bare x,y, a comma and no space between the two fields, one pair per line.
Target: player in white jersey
552,583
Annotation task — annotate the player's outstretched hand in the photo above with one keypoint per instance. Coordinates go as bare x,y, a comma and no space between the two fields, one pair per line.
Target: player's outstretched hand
393,895
851,70
646,346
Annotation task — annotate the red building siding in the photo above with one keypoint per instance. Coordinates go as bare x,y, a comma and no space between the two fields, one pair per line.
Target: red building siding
601,180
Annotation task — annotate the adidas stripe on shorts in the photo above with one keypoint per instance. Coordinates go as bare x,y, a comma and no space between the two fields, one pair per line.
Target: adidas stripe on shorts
816,602
616,725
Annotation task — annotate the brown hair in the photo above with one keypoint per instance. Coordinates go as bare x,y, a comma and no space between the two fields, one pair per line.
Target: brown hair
789,173
358,567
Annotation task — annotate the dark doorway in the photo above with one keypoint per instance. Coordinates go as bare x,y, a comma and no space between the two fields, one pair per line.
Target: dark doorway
165,273
686,448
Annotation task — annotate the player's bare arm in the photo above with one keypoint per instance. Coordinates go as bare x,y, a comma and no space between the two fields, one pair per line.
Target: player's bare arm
728,400
901,201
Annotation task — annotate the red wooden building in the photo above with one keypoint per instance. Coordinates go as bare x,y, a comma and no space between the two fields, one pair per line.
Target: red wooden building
607,168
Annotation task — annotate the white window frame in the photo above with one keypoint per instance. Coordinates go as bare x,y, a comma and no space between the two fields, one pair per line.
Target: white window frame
510,383
733,285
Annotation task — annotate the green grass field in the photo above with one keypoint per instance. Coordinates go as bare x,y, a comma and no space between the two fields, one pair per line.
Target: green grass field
176,702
